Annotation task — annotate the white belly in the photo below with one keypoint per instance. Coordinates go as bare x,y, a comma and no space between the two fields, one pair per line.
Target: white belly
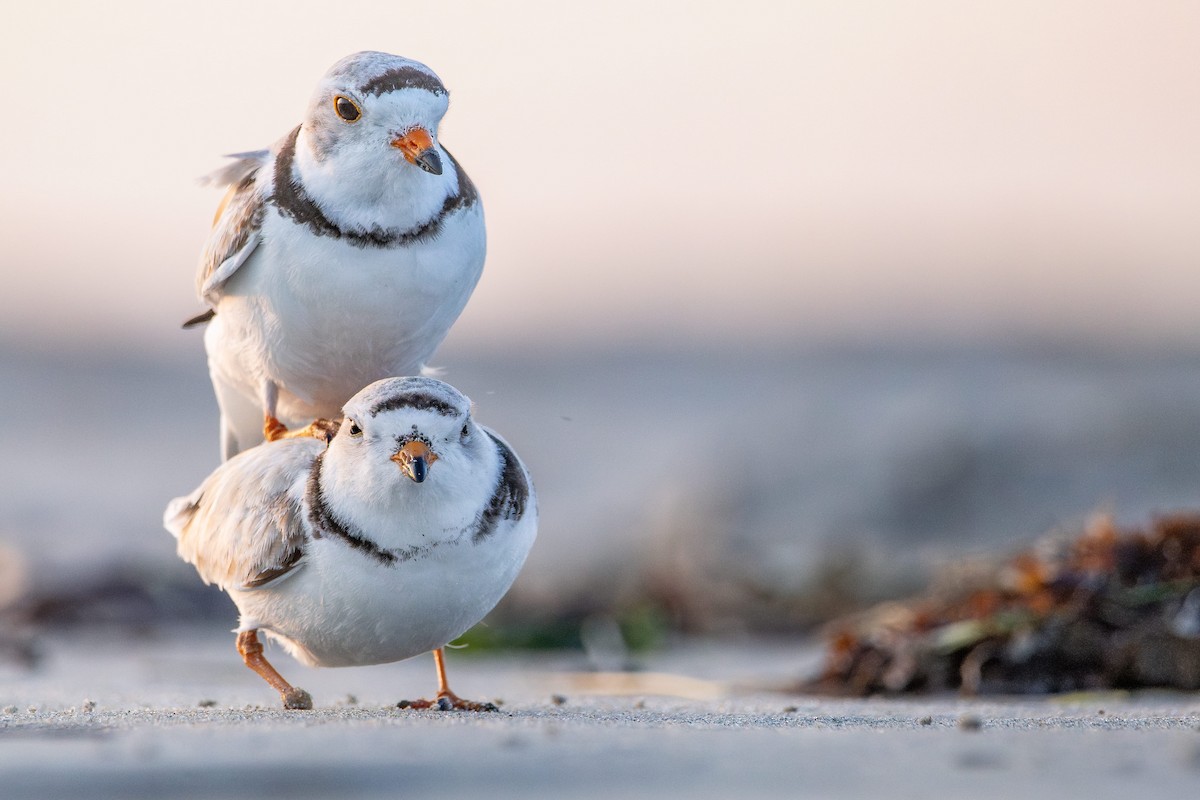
342,608
321,318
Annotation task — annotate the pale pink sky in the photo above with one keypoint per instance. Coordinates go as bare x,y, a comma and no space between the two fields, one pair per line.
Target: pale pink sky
694,170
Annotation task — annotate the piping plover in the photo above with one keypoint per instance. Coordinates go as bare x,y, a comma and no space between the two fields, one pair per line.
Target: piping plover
389,541
340,256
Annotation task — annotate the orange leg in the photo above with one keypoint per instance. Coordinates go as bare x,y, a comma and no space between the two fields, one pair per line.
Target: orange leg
273,429
446,700
324,429
252,653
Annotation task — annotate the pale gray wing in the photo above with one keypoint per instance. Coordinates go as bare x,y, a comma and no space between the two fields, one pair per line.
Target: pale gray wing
245,526
237,225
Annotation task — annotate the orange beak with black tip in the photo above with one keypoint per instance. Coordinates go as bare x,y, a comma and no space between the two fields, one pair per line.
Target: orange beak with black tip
417,147
415,459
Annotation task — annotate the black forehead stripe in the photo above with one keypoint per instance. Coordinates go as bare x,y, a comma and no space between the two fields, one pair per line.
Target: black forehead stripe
403,78
510,497
421,401
293,202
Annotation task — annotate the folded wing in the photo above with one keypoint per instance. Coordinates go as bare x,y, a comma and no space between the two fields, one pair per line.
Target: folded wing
237,226
245,526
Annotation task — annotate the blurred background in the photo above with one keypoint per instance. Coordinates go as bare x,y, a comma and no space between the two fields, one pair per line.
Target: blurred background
784,305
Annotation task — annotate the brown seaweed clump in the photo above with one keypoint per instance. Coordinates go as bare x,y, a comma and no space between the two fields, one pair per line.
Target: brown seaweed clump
1107,609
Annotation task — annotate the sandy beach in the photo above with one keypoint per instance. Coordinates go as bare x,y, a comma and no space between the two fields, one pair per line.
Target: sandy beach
179,716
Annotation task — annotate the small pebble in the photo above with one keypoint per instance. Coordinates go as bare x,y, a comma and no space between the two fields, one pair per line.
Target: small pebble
925,721
497,701
640,704
1100,712
970,722
404,704
558,699
351,700
10,709
444,704
88,706
791,709
32,709
207,703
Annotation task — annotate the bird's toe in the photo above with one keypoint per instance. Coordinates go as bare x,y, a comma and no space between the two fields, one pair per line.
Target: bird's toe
447,702
297,700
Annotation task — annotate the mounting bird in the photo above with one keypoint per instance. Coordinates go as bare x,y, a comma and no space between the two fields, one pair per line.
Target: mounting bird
340,256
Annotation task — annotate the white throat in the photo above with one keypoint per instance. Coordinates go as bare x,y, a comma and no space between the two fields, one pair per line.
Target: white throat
405,514
369,190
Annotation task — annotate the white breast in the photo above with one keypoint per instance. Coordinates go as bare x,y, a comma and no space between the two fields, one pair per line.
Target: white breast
343,608
322,318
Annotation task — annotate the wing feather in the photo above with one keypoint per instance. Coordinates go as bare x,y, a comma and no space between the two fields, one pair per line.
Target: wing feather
237,226
241,165
245,526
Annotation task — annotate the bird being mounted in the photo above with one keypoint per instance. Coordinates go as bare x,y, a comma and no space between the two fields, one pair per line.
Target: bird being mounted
340,256
389,541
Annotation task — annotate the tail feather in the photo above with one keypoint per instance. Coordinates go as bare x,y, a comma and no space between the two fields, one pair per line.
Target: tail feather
199,319
179,513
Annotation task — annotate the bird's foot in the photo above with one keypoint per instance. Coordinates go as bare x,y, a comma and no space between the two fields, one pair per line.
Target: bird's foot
273,429
297,699
320,428
251,650
323,429
447,701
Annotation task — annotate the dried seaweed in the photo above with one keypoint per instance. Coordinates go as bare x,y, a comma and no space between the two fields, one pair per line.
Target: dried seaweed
1108,608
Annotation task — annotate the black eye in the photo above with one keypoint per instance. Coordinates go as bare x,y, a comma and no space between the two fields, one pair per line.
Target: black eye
466,431
346,108
354,429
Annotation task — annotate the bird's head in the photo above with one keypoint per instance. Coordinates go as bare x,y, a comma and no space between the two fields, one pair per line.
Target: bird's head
410,436
374,108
